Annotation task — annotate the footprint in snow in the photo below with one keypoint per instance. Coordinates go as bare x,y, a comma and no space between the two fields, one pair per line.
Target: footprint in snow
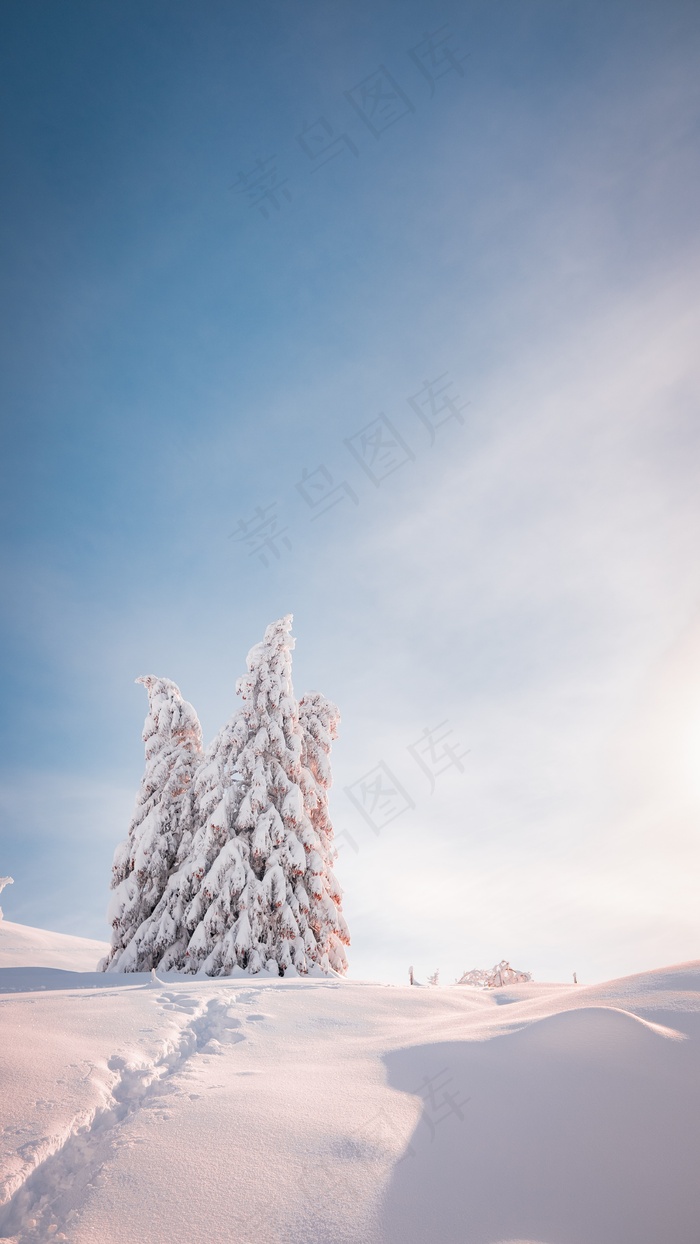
249,996
178,1002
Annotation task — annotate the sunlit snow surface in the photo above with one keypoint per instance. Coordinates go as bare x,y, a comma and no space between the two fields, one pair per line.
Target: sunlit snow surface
326,1112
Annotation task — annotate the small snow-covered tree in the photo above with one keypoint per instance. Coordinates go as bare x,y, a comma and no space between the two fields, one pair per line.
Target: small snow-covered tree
3,882
504,974
162,822
435,978
494,978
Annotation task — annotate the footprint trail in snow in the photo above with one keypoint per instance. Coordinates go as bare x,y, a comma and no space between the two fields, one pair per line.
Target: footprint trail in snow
48,1200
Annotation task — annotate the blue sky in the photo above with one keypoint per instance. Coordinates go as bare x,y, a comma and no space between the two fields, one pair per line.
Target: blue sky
518,217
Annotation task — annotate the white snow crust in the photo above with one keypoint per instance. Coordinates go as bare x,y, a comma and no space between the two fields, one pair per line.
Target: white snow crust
309,1111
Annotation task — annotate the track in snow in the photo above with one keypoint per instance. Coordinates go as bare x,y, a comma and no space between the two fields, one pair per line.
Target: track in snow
43,1206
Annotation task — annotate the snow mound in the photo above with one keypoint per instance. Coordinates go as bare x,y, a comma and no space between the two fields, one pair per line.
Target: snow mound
22,946
600,1032
552,1131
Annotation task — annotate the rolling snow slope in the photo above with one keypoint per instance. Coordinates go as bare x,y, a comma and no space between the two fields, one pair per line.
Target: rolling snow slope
334,1112
22,946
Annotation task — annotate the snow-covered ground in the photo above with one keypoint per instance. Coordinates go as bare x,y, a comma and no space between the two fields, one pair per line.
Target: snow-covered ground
330,1112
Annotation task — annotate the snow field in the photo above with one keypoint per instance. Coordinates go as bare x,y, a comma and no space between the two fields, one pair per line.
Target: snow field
297,1111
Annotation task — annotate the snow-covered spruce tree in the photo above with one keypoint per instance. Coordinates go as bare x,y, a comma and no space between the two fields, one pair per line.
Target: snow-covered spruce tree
166,933
250,909
162,822
319,720
257,854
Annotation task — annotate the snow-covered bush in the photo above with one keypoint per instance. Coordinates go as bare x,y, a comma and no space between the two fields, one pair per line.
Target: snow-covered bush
495,977
3,882
162,821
